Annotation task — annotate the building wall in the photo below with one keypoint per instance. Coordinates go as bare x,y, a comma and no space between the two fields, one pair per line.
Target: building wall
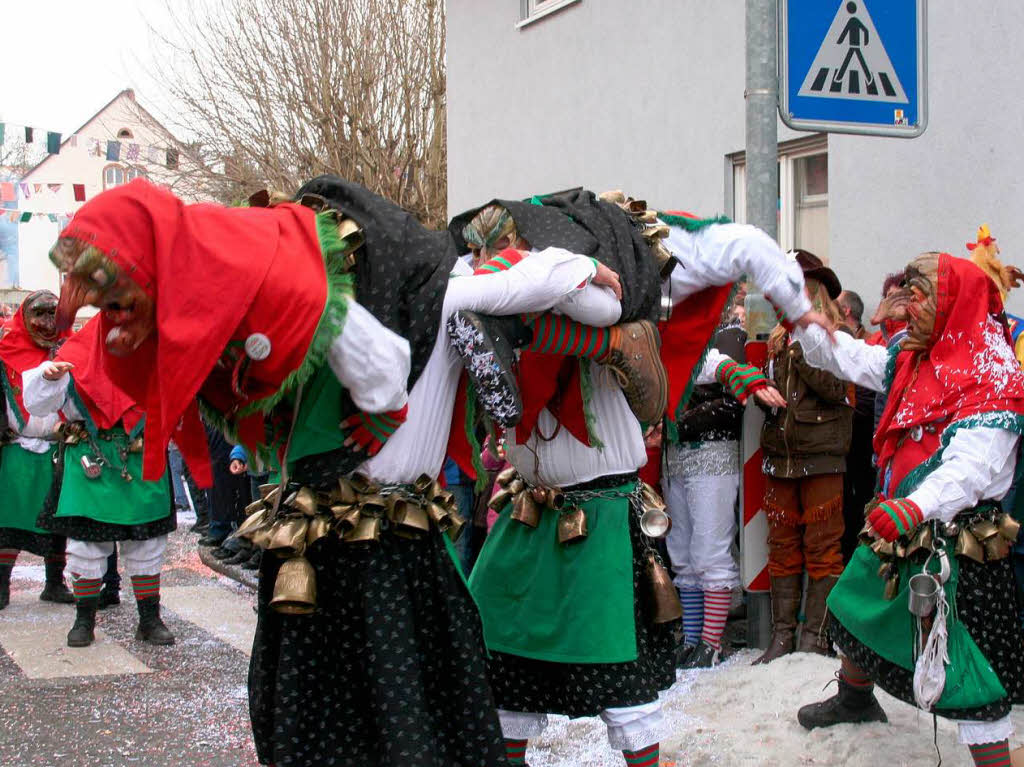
648,97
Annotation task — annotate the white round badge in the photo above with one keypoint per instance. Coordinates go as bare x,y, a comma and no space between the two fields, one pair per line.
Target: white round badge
257,346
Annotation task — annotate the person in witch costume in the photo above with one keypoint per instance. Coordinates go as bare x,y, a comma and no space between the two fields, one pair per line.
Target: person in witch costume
579,614
27,447
368,648
947,449
103,499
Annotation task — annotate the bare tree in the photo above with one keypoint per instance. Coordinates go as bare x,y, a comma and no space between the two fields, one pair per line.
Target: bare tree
277,91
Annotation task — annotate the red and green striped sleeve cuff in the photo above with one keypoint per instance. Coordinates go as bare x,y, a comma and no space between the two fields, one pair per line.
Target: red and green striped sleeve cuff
741,380
895,517
780,316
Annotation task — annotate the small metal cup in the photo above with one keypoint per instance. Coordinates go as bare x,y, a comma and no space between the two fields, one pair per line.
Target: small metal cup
924,593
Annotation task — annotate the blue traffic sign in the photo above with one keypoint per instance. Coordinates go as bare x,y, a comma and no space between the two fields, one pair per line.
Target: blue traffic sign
854,66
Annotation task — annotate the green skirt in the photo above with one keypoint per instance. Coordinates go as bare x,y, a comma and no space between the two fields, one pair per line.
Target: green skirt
110,498
25,480
568,603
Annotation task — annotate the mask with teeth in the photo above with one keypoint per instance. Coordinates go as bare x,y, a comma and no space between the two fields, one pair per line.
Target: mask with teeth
921,281
39,311
91,277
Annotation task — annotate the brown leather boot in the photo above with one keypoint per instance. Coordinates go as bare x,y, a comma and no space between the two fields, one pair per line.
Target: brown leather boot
785,605
633,357
814,634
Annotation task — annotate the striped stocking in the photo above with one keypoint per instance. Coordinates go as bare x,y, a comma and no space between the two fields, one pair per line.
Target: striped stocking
693,614
8,557
645,757
556,334
515,751
991,754
146,586
85,588
716,610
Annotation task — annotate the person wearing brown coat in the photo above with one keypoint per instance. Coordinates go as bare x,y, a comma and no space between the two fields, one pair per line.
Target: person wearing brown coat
805,446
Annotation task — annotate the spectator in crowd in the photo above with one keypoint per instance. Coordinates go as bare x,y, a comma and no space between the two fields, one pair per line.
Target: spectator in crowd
463,488
893,329
805,446
859,480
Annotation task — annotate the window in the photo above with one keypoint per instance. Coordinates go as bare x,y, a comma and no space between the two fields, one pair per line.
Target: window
113,175
133,173
803,194
532,10
124,133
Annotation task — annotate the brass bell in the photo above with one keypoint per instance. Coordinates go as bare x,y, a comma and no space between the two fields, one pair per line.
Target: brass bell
555,499
663,595
1009,528
996,547
900,549
458,524
892,585
572,525
265,490
344,492
500,499
984,529
373,505
135,446
347,516
303,500
272,496
525,510
444,498
288,536
407,515
363,484
967,546
319,526
254,507
260,537
540,495
252,523
295,588
922,539
505,476
864,537
516,486
366,529
883,549
439,515
422,484
655,523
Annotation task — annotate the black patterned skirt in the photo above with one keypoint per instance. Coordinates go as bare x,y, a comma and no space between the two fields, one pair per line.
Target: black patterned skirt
586,689
39,544
389,669
988,606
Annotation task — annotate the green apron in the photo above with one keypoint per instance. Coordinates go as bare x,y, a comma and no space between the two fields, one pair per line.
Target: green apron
547,601
888,628
109,498
25,480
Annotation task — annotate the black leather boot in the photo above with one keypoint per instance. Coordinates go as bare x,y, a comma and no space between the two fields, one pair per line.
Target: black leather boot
82,633
151,628
55,589
109,596
5,585
849,705
487,346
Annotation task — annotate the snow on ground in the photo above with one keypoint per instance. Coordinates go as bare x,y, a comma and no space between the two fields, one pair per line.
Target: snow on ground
738,714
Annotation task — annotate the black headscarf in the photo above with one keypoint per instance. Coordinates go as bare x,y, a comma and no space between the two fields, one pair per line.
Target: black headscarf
580,223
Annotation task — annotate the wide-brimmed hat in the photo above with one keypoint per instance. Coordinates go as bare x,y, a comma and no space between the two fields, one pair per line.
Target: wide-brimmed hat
815,269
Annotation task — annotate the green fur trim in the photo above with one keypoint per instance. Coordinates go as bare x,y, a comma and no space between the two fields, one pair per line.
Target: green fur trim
692,224
90,425
10,397
998,420
340,290
474,443
587,390
890,366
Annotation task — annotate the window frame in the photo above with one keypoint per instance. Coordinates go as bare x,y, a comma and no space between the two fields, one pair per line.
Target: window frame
114,166
535,10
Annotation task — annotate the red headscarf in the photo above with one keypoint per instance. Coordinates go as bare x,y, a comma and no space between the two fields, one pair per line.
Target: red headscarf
19,352
105,402
969,368
215,272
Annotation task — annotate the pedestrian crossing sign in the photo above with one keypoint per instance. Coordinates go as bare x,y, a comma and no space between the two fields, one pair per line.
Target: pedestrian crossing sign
853,66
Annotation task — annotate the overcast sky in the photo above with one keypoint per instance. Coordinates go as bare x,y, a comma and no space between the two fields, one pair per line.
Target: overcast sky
67,58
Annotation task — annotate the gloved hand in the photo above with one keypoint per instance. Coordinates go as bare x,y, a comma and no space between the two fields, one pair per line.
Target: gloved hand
895,517
741,380
369,431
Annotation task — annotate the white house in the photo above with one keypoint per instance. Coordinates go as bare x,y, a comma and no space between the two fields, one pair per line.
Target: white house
648,97
144,148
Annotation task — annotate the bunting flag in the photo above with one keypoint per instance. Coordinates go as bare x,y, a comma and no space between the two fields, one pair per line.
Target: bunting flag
54,187
113,151
133,153
52,142
26,217
28,135
37,188
7,193
25,191
79,192
1,133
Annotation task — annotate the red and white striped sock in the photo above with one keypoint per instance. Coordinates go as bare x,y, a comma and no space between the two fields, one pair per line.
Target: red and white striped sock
716,610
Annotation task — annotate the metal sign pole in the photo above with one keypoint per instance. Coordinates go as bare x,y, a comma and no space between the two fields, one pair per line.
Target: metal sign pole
762,187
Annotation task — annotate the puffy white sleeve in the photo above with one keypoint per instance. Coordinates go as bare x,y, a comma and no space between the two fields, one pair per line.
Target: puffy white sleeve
977,464
371,361
43,397
844,356
722,253
713,359
535,284
594,305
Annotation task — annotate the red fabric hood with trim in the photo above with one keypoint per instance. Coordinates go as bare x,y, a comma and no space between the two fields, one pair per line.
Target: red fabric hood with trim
204,265
19,352
969,369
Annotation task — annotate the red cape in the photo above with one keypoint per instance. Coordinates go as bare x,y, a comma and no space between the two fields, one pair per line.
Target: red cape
968,370
216,273
105,401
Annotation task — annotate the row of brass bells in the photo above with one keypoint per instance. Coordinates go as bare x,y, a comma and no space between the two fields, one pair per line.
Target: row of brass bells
295,587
